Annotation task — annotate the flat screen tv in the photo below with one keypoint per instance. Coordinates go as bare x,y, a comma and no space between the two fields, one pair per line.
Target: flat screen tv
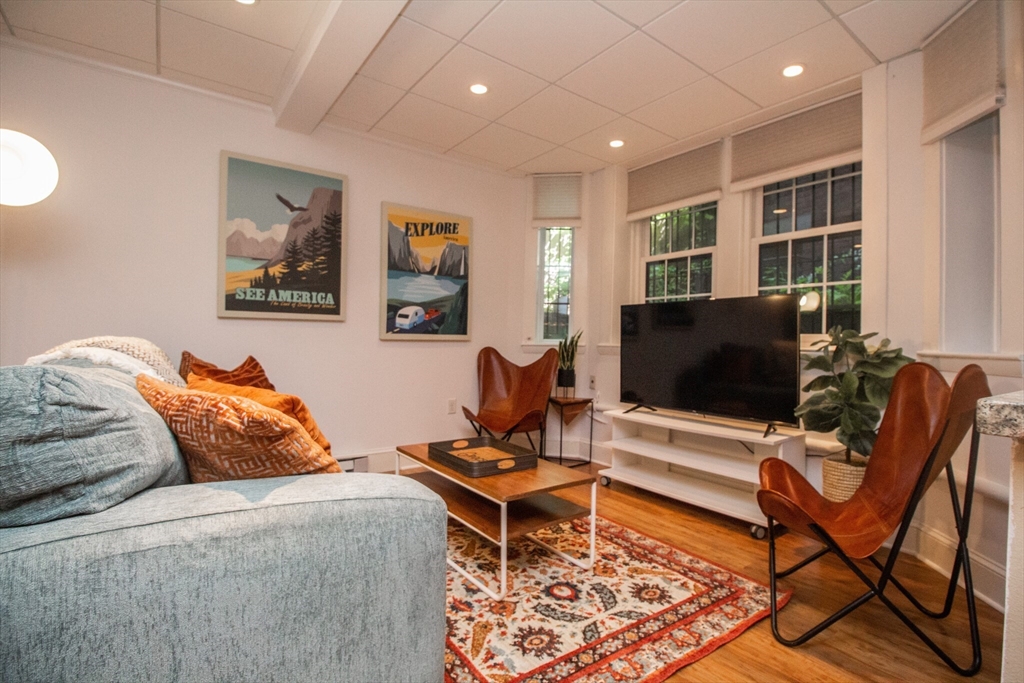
736,358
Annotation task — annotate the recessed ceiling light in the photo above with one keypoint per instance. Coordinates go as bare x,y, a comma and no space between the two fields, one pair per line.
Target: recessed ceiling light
616,143
478,89
793,70
246,2
780,210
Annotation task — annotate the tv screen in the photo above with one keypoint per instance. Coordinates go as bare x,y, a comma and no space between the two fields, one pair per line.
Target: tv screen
729,357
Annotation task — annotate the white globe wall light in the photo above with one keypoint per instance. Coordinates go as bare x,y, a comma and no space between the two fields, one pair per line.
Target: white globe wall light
28,172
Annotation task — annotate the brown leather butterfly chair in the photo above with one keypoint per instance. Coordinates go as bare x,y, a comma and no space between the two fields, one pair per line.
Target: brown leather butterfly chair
924,423
513,398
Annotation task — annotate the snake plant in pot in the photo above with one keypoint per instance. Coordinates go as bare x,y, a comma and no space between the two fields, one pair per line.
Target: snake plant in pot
567,361
849,396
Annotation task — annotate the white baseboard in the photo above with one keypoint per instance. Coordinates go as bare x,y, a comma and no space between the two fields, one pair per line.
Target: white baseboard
937,550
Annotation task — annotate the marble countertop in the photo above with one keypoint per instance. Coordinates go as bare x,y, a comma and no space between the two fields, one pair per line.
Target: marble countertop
1002,415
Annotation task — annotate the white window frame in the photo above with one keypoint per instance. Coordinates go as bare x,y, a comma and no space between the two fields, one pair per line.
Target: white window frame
647,257
540,274
823,232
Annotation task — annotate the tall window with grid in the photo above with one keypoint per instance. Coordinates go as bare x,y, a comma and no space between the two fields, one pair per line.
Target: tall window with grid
678,263
555,286
811,242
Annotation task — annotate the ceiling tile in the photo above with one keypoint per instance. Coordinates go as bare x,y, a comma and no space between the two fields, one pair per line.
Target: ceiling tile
407,141
481,163
88,52
638,12
366,100
561,160
841,6
550,38
122,28
431,122
207,84
714,34
557,115
335,120
454,19
827,51
639,140
449,82
890,29
503,146
703,105
612,79
280,23
218,54
406,52
3,28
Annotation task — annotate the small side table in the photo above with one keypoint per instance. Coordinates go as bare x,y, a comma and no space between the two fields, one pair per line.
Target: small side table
568,410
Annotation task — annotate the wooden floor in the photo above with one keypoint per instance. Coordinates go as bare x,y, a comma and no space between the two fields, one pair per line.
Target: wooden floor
870,644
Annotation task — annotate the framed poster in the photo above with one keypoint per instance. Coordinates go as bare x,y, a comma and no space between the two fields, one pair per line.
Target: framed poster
281,250
425,266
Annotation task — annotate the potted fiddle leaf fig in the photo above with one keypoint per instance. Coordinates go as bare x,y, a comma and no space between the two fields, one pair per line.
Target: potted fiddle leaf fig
567,360
848,398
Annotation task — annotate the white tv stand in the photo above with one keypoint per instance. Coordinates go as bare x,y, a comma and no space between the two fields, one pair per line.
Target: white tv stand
710,464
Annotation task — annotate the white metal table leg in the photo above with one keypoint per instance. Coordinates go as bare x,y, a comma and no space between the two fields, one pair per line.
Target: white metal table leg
593,536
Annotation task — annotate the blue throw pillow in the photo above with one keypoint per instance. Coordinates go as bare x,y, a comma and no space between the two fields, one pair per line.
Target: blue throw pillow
76,440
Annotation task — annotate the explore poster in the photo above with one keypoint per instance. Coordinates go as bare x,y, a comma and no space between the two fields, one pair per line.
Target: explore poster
282,241
425,283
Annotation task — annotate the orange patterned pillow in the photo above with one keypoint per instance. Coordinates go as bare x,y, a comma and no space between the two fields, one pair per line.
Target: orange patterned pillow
249,374
292,406
230,437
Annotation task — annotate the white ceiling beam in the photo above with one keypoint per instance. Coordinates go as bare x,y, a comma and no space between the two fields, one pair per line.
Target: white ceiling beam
340,35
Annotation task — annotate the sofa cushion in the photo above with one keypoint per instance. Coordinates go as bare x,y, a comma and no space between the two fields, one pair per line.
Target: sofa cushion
231,437
292,406
140,349
77,440
248,374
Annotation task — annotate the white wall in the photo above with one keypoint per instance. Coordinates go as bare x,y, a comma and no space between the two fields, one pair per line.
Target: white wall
127,245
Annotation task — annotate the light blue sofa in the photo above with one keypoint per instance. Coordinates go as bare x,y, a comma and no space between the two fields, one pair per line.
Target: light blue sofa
335,577
331,577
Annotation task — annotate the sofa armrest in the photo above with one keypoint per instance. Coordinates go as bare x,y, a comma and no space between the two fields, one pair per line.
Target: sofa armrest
337,577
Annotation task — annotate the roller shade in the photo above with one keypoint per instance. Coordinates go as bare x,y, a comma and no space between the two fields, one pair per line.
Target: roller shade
556,197
686,175
827,131
963,71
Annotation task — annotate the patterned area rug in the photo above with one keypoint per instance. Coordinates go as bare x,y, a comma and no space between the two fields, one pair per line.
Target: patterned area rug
645,610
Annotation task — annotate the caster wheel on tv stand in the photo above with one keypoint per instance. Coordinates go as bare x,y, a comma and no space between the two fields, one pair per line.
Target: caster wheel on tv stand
759,532
605,481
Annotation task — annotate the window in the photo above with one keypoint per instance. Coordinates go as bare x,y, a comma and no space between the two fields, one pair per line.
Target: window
680,246
555,282
825,207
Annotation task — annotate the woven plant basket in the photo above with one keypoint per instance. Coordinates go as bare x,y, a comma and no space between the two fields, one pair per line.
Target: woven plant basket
839,479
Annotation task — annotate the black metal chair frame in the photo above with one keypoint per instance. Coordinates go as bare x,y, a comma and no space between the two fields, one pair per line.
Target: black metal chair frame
480,429
877,588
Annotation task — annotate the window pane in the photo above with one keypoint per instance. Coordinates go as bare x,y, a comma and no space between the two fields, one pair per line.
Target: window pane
705,226
700,274
656,279
810,321
676,276
556,286
777,213
556,321
843,170
808,260
844,306
846,199
844,256
769,292
773,266
811,206
659,234
682,231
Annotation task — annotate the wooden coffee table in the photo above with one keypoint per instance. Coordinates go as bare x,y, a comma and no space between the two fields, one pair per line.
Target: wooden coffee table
506,506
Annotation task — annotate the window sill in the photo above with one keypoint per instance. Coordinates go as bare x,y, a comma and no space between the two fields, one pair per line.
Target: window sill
538,348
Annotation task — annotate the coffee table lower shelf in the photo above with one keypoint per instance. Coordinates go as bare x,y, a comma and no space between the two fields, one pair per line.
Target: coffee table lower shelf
499,521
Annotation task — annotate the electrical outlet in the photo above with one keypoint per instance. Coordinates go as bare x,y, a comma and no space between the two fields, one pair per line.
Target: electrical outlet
451,406
593,382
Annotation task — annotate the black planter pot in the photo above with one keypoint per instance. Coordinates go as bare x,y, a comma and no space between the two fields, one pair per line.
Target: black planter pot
567,378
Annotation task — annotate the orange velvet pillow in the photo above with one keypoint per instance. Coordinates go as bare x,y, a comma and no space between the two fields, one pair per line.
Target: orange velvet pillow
292,406
248,374
230,437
